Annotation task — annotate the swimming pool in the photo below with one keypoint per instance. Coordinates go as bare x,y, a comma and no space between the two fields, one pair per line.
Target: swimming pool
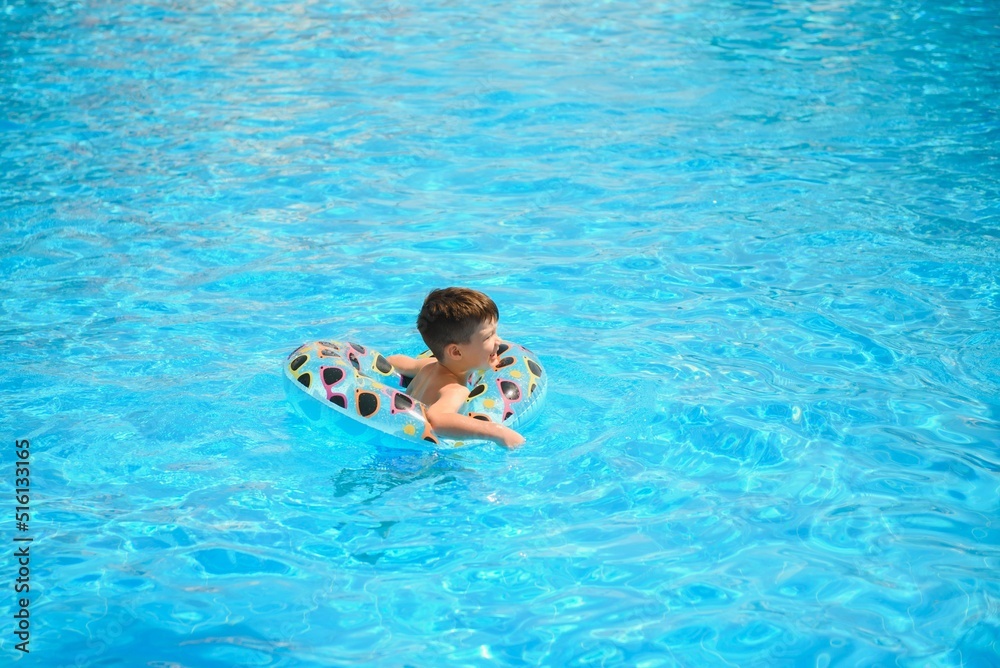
755,244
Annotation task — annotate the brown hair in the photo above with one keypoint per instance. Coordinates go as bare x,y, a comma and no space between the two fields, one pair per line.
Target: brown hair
452,315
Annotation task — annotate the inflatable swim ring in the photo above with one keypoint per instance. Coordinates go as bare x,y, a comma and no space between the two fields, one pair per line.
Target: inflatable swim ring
360,383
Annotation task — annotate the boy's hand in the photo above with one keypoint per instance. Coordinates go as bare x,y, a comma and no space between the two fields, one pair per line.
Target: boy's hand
510,439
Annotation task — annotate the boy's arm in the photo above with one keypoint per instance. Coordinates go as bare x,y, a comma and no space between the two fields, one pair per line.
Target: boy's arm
445,419
407,365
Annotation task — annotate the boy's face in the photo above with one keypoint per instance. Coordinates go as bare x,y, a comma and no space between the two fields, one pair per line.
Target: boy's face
480,351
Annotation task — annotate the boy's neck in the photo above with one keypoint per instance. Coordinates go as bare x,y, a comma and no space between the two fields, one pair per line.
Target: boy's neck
457,372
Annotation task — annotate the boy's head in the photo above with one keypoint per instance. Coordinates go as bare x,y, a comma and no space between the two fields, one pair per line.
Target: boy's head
453,316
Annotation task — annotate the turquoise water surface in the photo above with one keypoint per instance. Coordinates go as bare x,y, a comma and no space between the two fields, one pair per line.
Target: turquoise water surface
755,244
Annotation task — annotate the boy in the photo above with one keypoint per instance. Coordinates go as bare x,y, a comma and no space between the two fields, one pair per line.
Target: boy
459,326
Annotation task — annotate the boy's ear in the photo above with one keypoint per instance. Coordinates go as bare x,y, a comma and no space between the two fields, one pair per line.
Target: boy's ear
452,351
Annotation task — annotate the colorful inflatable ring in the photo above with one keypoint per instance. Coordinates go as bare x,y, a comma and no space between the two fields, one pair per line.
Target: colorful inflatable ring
359,383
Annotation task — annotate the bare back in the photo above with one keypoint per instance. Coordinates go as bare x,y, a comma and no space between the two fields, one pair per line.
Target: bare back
426,386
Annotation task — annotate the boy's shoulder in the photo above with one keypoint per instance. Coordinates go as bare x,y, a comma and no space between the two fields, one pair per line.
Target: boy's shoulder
440,376
434,381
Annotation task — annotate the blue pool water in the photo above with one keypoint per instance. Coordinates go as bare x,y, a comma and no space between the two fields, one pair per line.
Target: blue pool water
755,243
